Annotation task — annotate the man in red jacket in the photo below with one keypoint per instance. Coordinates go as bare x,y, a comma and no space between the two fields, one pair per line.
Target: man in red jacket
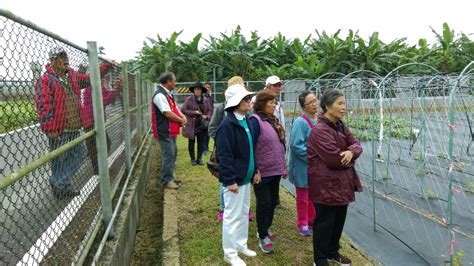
61,118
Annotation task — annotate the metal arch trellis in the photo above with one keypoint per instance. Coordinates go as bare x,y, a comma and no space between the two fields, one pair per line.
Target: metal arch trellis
468,75
316,84
378,103
452,129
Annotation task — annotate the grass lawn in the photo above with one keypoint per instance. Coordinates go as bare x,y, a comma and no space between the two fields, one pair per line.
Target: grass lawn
16,114
200,233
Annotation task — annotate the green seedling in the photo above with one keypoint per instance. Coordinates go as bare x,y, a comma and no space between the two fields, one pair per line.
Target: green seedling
442,155
431,195
420,170
419,155
469,187
385,176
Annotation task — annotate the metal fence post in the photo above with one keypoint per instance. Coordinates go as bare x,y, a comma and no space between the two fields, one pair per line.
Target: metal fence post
126,111
105,191
145,110
138,116
145,102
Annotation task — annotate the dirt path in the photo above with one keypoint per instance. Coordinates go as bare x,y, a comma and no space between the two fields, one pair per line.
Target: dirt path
148,244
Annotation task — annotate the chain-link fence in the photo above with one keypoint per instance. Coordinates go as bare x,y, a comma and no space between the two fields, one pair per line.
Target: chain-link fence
51,173
218,88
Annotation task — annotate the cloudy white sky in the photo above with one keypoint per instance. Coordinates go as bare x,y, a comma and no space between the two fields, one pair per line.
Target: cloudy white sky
122,26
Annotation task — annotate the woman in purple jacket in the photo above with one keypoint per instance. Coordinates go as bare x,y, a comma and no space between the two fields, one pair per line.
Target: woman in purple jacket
270,157
332,178
198,111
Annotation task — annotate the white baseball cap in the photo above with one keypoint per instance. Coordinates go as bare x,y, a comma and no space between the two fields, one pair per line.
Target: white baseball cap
272,80
234,95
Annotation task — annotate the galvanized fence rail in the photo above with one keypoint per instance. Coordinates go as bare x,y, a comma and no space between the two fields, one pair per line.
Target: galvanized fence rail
71,125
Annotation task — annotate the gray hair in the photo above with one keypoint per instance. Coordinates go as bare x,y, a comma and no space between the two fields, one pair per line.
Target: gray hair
328,98
166,76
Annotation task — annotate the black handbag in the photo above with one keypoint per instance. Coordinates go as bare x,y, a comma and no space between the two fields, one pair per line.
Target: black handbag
213,164
204,123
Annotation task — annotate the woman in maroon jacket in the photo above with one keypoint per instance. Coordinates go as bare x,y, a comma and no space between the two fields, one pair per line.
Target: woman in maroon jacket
198,111
332,179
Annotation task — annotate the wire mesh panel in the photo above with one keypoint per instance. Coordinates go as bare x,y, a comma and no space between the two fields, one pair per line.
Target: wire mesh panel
132,102
45,105
402,122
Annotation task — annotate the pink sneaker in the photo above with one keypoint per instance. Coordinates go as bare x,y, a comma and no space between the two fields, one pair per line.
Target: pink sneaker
220,217
250,216
304,230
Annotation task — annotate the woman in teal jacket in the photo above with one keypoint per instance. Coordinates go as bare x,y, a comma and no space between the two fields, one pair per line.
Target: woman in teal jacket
298,163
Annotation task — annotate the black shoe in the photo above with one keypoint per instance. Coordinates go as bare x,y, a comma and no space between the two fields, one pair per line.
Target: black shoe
194,163
200,162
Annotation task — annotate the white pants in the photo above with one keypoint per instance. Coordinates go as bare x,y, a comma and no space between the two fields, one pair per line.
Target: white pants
235,227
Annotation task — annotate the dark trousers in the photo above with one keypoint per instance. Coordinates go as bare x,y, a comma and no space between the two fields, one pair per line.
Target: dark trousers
91,144
266,194
169,153
200,137
206,146
327,231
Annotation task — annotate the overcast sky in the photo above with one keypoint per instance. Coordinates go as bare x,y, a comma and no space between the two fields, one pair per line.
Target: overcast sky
122,26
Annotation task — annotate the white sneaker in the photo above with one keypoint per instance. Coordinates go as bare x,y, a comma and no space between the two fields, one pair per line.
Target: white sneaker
248,253
237,261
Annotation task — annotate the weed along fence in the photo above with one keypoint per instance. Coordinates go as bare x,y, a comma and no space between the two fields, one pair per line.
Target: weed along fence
72,125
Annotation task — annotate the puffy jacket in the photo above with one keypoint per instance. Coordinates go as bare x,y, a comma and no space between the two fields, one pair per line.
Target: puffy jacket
269,150
330,182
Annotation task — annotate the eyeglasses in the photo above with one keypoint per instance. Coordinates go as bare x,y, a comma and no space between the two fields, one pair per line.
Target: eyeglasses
277,85
311,102
247,98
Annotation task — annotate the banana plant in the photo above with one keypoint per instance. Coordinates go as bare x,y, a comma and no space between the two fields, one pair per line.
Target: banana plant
255,58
